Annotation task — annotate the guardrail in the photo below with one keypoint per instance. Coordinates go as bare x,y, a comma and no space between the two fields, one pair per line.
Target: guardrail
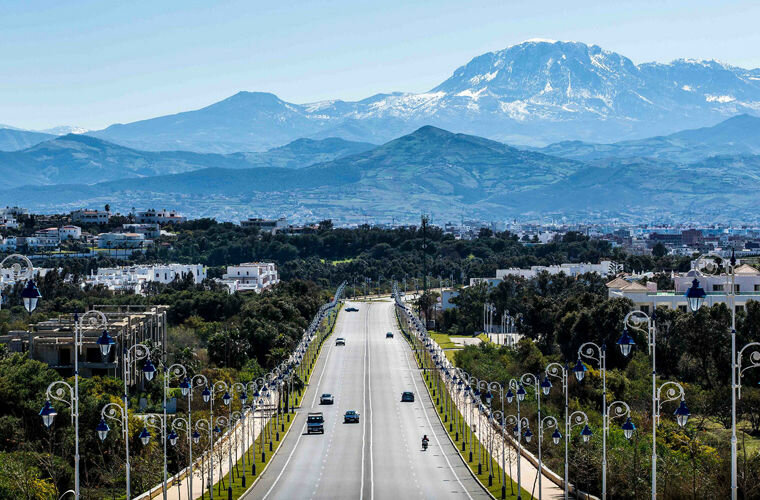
302,353
413,327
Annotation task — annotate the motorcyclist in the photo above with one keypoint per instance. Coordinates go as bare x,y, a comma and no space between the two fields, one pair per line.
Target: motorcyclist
425,441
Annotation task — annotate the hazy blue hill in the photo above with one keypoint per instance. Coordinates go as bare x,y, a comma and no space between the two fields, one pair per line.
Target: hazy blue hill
304,152
739,135
14,139
87,160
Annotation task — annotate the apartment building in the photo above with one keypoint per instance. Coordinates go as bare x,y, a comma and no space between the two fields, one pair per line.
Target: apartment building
52,341
251,276
86,216
135,278
152,216
121,240
647,297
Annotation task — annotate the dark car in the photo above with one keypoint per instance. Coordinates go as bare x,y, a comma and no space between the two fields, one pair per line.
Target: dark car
407,397
351,417
351,309
315,423
326,399
389,335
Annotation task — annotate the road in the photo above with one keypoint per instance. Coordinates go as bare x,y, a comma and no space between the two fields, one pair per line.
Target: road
381,457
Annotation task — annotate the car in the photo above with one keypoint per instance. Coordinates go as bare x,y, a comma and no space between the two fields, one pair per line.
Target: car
351,417
340,341
326,399
315,423
351,309
407,397
389,335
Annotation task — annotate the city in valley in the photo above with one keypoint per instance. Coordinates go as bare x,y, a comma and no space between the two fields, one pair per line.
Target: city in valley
343,251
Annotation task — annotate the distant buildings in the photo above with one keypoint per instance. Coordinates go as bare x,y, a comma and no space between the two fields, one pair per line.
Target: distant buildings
121,240
251,276
86,216
161,217
604,268
147,230
135,278
52,341
266,225
647,297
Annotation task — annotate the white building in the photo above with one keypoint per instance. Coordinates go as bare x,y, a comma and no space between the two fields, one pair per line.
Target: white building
134,278
121,240
256,276
152,216
148,230
647,297
86,216
604,268
70,233
266,225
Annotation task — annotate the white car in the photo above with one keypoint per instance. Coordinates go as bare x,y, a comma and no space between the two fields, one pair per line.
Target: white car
340,341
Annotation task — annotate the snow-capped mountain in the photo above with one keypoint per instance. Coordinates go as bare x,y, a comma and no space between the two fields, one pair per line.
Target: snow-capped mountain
65,129
533,93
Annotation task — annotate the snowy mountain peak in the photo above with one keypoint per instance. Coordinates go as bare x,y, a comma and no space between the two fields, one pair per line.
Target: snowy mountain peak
65,129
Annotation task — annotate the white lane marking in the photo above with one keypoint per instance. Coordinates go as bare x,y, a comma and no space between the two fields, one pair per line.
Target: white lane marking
295,447
364,401
435,435
371,433
285,466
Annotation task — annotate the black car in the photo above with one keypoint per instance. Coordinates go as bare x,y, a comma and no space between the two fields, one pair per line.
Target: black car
351,417
407,397
351,309
389,335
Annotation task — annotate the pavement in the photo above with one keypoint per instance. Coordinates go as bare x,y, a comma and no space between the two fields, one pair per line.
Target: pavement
381,456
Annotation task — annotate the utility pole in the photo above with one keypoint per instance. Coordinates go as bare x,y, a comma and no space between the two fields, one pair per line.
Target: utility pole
424,261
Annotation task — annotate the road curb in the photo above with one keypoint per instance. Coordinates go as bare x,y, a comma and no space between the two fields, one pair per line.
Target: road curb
453,444
271,458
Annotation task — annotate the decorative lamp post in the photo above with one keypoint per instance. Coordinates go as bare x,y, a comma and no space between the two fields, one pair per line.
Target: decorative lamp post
546,422
119,414
21,269
673,391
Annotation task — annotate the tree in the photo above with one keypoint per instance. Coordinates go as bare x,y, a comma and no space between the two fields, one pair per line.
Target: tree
659,250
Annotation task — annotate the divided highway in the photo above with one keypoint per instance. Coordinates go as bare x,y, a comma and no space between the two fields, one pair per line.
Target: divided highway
380,457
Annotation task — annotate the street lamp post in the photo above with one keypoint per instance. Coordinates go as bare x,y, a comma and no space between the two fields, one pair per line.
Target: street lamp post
616,409
556,370
596,353
120,414
519,424
21,268
209,394
179,371
576,418
203,425
530,380
94,319
673,391
546,422
187,387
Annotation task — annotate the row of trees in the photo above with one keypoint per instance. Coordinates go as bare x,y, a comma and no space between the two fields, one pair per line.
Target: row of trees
558,314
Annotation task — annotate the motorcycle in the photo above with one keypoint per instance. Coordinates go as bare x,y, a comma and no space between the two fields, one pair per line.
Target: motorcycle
424,445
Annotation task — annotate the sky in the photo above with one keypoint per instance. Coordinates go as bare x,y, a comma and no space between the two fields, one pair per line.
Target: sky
93,63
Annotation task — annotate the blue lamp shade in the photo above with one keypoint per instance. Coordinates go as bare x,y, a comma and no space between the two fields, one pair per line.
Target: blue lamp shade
628,428
144,436
556,436
521,393
682,413
625,343
105,342
695,295
48,414
217,430
185,387
196,437
206,394
516,430
227,399
149,370
489,398
256,395
172,437
31,295
528,434
243,398
546,385
579,370
510,396
102,429
586,433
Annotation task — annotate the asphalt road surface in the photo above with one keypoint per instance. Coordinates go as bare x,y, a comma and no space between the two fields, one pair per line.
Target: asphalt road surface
381,457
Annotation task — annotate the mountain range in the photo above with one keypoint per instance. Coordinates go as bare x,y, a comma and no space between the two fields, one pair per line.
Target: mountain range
534,93
448,174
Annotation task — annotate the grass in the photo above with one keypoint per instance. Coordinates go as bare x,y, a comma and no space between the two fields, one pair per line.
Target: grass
278,434
443,340
478,450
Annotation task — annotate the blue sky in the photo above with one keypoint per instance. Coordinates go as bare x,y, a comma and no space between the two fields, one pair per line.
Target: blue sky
93,63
